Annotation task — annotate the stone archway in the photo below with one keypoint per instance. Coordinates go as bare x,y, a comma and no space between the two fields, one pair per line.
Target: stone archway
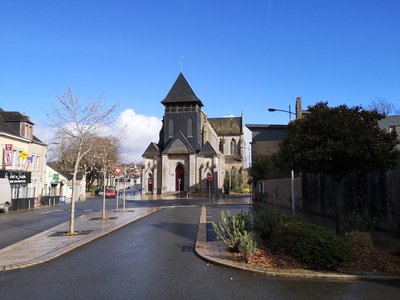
179,178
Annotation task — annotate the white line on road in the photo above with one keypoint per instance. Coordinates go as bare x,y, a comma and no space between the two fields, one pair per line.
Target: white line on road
51,211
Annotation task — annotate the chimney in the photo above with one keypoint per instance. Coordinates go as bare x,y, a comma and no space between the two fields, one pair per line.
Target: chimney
298,108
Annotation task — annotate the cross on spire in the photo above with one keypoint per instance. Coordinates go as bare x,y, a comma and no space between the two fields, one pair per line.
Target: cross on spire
181,63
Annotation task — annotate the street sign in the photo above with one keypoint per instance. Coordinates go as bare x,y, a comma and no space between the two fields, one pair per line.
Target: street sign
209,176
23,155
118,171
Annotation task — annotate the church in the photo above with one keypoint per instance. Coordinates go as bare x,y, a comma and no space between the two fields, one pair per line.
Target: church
194,154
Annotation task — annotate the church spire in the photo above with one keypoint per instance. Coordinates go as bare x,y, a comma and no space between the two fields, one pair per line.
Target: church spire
181,92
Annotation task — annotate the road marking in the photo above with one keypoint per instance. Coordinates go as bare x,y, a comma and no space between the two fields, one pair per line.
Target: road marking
179,206
49,212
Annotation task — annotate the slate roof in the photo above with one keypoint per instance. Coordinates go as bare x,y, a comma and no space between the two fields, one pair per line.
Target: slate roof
267,132
181,92
178,145
151,151
13,116
5,128
207,150
227,126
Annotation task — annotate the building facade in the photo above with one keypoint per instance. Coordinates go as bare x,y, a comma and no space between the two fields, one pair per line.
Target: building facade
194,153
23,159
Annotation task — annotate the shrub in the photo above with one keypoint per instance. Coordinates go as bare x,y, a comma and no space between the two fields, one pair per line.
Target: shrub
229,230
232,231
247,218
246,188
362,240
247,245
266,221
356,221
316,246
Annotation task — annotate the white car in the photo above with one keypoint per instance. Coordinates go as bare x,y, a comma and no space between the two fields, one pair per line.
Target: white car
5,195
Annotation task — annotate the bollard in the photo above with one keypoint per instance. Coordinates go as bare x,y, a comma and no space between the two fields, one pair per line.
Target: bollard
29,204
49,202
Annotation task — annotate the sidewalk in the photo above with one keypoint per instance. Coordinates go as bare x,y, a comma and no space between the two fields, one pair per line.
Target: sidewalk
52,243
211,251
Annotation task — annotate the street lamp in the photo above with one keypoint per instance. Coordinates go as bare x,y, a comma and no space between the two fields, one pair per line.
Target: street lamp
282,110
292,172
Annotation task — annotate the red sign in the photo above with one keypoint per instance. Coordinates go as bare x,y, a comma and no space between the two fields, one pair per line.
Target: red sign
8,160
209,176
8,156
118,171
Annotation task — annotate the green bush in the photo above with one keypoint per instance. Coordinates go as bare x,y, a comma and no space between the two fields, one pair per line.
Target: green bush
356,221
229,230
360,239
247,245
247,218
233,232
318,247
266,221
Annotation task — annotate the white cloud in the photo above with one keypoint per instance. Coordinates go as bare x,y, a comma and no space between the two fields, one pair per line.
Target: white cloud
44,133
136,132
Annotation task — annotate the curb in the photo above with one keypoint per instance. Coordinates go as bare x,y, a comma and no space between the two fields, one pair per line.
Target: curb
219,256
63,248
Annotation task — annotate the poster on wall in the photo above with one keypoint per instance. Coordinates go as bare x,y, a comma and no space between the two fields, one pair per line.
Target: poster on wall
8,155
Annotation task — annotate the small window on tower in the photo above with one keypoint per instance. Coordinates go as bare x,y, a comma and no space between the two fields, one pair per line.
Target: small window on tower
190,128
171,128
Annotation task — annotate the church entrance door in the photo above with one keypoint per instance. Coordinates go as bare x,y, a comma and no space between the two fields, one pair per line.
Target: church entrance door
150,183
179,178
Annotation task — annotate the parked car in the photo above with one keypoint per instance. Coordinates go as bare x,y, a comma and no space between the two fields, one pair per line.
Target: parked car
111,193
5,195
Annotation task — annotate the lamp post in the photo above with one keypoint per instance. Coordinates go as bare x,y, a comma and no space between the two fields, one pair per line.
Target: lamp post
282,110
292,172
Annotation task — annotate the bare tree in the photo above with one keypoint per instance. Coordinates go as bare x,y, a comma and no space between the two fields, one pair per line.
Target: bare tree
105,154
384,107
79,121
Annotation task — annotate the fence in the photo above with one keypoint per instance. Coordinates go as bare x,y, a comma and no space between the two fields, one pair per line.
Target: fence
376,192
29,203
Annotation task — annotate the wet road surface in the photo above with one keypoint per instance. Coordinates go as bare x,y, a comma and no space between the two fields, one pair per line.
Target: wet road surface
153,258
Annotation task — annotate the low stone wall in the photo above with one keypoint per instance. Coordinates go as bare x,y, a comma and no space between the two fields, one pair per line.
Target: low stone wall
278,192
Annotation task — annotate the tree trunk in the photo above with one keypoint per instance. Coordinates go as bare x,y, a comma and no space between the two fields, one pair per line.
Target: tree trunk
103,216
339,203
72,209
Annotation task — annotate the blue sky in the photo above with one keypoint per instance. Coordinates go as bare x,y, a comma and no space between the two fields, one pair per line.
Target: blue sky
238,56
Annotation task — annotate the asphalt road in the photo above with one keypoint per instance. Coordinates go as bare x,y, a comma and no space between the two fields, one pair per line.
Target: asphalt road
153,258
18,225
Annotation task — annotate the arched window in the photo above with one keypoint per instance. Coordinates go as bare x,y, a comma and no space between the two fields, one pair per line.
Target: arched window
233,147
203,136
221,145
190,128
171,128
